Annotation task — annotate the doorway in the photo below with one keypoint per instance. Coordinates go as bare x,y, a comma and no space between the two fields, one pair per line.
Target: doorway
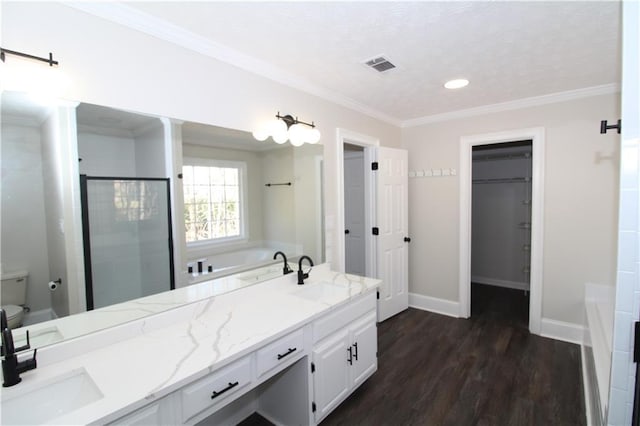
501,231
537,137
354,210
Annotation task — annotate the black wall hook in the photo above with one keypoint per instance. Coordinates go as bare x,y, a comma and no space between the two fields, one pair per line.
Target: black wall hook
604,127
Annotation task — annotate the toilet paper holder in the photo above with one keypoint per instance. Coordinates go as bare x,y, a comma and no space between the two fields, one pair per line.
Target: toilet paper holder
53,285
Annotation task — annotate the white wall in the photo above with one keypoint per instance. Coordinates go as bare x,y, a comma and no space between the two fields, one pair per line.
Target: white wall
150,151
106,155
627,308
580,200
118,67
54,188
308,205
24,232
278,202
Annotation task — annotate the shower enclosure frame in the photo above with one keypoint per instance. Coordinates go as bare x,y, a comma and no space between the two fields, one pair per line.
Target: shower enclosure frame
87,240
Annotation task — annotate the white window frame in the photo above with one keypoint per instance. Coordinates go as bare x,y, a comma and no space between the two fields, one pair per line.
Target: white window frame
242,183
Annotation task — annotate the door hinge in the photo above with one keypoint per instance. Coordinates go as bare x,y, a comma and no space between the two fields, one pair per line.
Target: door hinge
377,295
375,230
636,344
313,407
374,165
313,368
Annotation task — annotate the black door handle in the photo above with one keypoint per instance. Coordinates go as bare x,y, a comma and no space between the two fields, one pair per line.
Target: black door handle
346,231
350,359
407,239
216,394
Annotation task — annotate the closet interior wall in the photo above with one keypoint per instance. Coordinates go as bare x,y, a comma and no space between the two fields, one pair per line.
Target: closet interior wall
501,215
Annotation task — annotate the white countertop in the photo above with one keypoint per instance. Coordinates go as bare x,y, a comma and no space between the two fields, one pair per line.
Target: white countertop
169,350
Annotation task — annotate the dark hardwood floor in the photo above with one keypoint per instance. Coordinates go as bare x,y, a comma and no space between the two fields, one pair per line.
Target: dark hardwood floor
487,370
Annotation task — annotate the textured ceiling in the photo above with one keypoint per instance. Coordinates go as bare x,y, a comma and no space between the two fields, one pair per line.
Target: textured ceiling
508,50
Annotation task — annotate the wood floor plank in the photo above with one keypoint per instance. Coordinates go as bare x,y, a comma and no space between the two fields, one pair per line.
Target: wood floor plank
487,370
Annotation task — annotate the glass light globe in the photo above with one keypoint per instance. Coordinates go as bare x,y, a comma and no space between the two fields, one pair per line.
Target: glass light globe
278,131
261,134
297,134
313,136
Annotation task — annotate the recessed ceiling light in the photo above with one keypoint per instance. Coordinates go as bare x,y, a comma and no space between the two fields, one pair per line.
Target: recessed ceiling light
456,84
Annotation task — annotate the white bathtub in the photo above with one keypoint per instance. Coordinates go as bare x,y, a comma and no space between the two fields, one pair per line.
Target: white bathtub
233,262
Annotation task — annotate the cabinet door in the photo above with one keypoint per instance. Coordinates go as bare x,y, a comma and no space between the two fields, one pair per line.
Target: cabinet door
364,345
331,376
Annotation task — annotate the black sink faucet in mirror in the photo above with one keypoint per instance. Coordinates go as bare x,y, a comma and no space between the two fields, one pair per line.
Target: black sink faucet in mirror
286,269
303,275
11,367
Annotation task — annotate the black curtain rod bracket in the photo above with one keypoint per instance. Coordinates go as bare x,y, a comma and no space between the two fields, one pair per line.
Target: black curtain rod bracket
604,127
278,184
49,60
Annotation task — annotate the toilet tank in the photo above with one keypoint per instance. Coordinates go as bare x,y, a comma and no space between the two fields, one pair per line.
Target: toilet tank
14,288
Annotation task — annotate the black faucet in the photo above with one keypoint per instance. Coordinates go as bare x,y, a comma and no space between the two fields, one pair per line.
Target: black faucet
286,269
11,367
302,275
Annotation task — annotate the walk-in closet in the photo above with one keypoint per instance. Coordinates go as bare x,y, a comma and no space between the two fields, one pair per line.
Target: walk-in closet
501,228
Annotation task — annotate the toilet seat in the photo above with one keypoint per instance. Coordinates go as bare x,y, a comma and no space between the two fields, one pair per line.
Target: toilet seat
14,315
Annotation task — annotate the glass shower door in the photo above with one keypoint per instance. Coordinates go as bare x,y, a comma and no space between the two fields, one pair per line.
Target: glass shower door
127,238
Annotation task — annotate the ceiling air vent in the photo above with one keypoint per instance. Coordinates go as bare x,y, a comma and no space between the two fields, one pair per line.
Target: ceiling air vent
380,64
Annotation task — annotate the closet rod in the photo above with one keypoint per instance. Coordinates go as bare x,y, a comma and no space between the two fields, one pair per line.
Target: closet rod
504,180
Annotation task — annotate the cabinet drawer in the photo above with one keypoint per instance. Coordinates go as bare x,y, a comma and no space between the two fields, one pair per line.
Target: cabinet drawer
215,389
343,316
280,352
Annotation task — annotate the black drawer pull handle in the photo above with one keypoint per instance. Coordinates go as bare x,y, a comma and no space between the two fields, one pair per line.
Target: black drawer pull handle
290,351
355,355
217,394
350,360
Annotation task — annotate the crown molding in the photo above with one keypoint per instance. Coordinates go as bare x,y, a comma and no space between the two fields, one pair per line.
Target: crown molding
135,19
569,95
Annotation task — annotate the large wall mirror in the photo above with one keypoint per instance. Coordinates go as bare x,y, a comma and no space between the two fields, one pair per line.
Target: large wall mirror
261,197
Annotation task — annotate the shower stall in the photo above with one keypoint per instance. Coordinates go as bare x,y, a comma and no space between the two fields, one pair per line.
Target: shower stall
128,247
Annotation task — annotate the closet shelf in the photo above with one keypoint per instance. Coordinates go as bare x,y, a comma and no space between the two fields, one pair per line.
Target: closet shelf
498,157
504,180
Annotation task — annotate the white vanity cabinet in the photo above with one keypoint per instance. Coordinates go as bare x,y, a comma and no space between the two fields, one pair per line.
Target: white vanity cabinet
344,354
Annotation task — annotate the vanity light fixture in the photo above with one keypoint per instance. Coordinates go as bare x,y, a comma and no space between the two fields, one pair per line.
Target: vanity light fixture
456,84
285,127
4,52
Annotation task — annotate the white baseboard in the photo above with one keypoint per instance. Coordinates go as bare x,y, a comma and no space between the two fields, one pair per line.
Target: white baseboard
500,283
560,330
433,304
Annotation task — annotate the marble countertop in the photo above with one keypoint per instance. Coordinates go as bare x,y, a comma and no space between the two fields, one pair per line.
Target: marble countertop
161,353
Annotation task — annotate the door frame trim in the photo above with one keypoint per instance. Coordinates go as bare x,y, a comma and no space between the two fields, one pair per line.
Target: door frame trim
354,138
537,136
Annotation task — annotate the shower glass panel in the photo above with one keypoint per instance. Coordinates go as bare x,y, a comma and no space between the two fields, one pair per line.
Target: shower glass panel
127,238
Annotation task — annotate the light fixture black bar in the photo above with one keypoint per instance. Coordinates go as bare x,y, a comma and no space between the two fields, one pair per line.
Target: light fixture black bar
50,60
278,184
291,121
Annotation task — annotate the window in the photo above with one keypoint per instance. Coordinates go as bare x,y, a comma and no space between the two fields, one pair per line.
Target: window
213,200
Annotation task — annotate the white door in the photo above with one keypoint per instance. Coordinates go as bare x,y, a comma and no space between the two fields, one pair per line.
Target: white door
392,222
331,377
354,213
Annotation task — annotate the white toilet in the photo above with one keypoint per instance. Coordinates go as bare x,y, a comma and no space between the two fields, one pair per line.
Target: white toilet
13,296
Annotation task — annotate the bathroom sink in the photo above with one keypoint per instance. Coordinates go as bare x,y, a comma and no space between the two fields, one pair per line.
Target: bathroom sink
323,292
49,400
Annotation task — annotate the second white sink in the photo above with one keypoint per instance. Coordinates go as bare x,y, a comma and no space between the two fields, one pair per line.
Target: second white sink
323,292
